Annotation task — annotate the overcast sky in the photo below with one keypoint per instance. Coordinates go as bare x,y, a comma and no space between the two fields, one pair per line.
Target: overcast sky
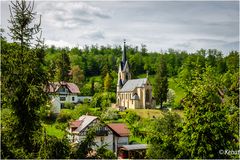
159,25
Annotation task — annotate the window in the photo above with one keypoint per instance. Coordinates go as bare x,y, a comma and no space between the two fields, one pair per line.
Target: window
147,96
62,89
73,98
62,98
62,105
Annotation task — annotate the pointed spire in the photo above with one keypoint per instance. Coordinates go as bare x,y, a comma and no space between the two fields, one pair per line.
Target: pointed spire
124,53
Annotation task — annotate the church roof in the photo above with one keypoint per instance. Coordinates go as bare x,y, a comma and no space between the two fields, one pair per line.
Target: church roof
131,84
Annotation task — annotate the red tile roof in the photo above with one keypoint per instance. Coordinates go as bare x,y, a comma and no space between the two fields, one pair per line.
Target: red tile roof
76,123
53,87
73,88
120,129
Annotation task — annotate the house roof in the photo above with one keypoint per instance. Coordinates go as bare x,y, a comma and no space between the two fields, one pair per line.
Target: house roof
83,122
120,129
54,86
134,147
131,84
76,123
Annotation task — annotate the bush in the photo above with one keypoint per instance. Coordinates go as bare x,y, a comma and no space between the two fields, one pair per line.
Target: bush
103,100
110,114
131,117
68,105
63,117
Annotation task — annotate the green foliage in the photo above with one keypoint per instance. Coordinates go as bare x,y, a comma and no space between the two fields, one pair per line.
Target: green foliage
63,67
103,153
23,77
69,105
81,150
77,75
103,100
63,116
170,97
79,110
107,82
54,148
206,129
110,114
163,136
161,82
131,117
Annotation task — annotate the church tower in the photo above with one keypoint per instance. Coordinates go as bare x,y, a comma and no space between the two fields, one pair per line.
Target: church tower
123,71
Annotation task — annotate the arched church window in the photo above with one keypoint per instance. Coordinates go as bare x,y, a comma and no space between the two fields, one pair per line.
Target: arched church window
147,96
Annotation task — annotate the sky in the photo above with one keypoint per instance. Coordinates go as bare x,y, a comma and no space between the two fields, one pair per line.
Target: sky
160,25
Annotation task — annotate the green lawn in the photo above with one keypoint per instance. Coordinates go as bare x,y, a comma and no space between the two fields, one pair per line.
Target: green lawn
179,92
53,131
149,113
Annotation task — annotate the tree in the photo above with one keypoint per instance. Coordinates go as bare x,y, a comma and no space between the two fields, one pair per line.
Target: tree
63,67
23,79
163,137
54,148
107,82
77,75
161,82
207,128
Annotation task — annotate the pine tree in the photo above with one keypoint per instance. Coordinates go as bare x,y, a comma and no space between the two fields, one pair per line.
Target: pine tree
63,67
23,79
161,82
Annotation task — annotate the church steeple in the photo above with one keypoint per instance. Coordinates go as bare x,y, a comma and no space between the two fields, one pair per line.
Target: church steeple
123,73
124,54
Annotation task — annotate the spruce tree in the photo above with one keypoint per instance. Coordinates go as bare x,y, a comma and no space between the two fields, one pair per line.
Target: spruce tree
23,79
63,67
161,82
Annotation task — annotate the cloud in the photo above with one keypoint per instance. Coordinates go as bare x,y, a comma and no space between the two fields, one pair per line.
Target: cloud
70,15
184,25
59,43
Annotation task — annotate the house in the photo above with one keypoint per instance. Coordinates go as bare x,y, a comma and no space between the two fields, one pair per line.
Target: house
132,93
114,135
120,135
62,92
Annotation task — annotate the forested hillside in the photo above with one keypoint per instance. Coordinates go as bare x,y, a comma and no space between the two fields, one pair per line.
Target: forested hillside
92,63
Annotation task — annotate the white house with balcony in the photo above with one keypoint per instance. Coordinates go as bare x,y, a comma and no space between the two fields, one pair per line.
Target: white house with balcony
62,92
114,135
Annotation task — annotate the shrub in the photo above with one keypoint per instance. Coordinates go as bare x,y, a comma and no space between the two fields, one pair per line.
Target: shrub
68,105
110,114
131,117
63,116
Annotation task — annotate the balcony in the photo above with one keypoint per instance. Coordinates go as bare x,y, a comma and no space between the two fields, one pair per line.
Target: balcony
102,133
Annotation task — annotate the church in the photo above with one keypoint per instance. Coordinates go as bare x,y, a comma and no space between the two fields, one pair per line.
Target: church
132,93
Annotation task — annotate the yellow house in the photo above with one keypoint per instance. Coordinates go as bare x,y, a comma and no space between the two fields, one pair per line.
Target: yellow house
132,93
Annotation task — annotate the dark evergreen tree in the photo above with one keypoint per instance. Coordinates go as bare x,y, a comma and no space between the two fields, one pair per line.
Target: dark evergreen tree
63,67
23,80
161,82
